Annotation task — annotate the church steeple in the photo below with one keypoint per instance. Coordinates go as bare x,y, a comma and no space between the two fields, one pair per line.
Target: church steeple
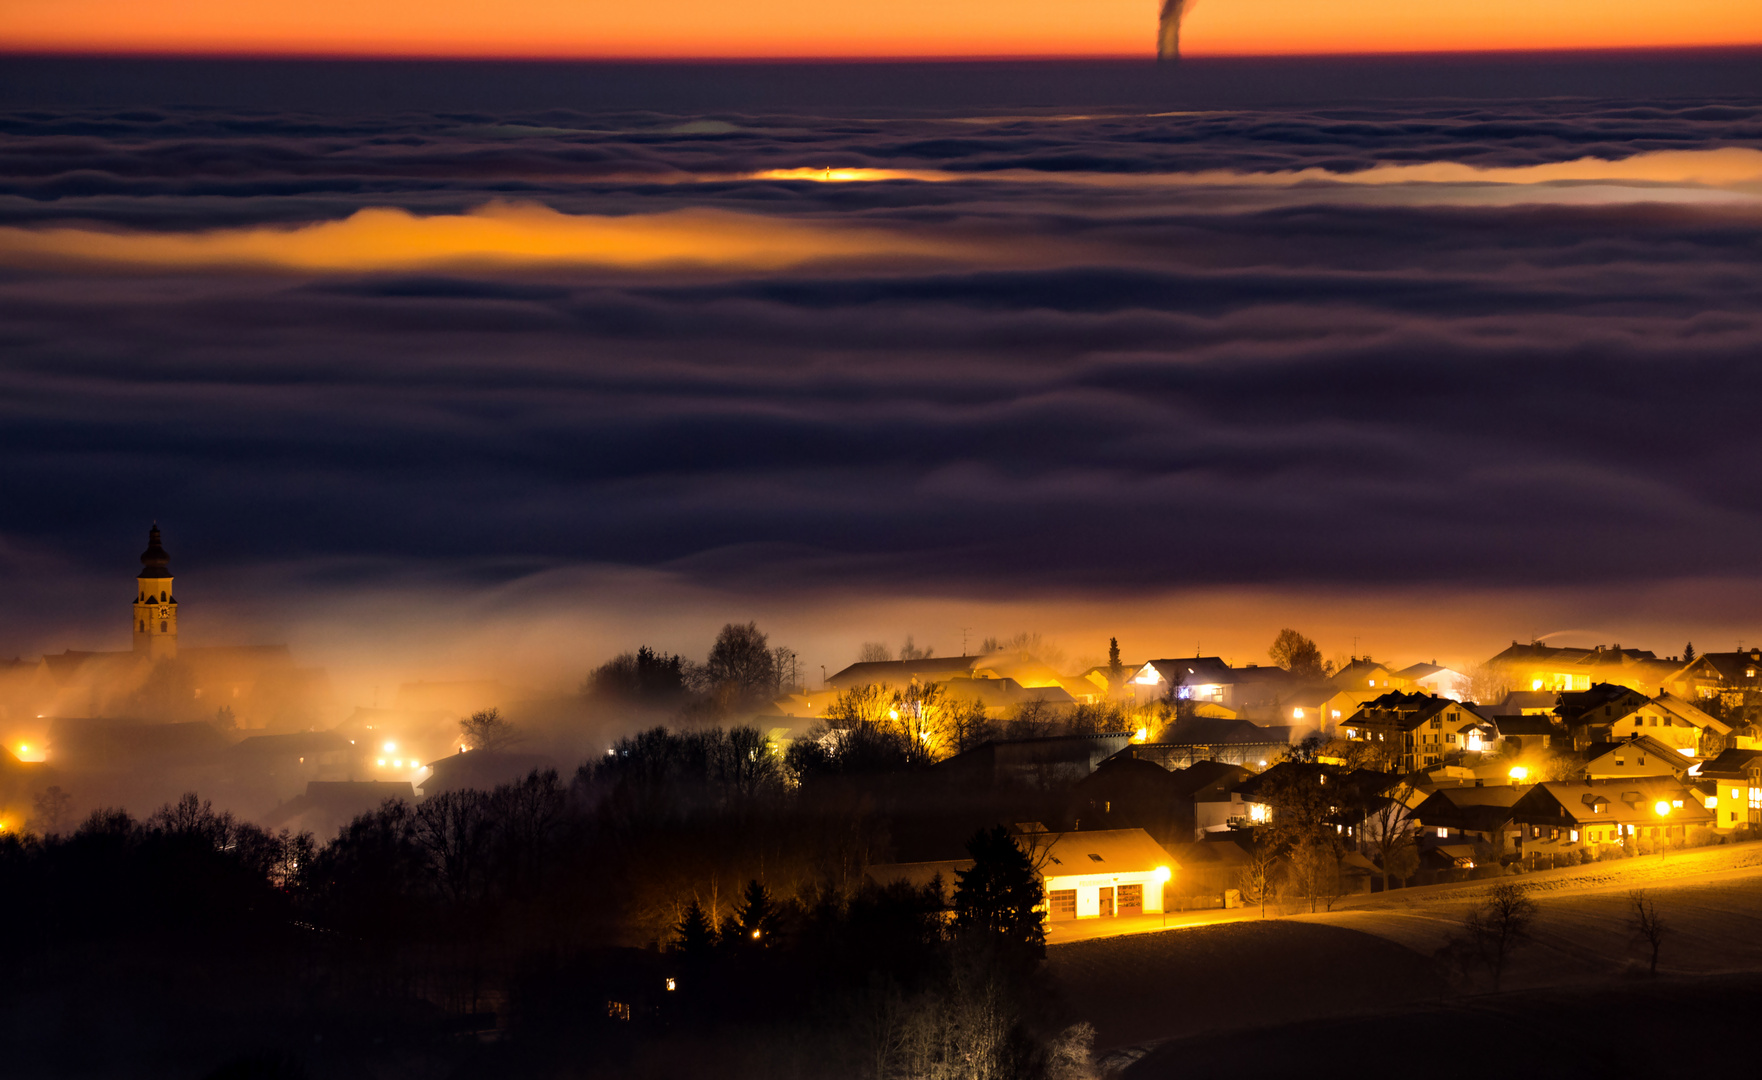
155,605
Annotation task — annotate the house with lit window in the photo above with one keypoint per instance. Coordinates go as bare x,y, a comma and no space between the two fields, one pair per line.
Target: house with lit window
1411,730
1253,688
1637,755
1589,714
1464,815
1321,708
1432,678
1735,778
1363,673
1671,720
1092,874
1543,667
1104,874
1520,735
1560,814
1726,674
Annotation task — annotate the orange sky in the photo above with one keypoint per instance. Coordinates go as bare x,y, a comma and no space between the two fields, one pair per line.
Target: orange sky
784,28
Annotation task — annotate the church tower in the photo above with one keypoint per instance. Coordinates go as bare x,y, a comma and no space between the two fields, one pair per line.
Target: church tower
155,606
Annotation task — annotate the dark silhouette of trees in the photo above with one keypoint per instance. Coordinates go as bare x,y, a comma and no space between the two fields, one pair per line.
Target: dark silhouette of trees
1688,653
741,666
1000,894
641,676
1116,671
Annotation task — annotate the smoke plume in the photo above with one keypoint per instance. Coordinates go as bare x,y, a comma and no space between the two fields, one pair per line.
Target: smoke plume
1168,30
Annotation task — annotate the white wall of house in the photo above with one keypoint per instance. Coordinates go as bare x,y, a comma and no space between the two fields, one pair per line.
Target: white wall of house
1089,888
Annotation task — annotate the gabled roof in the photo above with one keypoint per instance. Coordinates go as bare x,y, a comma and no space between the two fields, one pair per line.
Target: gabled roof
1628,800
1103,851
1689,713
1215,731
1730,666
1202,774
1416,672
1656,751
1194,669
1528,725
1731,763
902,672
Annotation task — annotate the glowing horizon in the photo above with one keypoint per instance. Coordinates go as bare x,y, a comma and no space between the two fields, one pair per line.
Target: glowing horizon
789,29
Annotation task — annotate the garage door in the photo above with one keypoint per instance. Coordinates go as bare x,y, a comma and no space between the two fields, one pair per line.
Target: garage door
1063,904
1131,899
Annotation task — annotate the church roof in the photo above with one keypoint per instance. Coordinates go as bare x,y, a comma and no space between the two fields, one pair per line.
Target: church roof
155,561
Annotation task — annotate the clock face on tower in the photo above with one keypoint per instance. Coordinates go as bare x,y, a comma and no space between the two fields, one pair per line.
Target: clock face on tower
165,613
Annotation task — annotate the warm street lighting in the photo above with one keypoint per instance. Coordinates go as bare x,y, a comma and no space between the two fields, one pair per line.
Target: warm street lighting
1163,874
1518,772
1662,809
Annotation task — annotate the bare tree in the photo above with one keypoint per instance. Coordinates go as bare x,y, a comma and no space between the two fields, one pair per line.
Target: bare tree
486,729
1255,879
1647,925
1389,829
1493,929
874,652
1484,685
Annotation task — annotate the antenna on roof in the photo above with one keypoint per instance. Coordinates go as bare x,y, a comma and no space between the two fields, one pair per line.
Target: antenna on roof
964,630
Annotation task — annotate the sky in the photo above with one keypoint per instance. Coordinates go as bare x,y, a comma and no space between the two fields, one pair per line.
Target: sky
901,28
520,387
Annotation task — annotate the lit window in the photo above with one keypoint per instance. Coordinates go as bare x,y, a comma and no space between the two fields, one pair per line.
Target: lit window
1574,834
1296,714
1443,832
1712,802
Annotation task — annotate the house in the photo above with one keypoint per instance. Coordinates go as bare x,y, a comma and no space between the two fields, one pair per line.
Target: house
1203,789
479,769
1410,730
1254,688
1432,678
1250,802
1052,761
1018,676
1735,777
1527,734
1636,755
1588,714
1363,673
1466,814
1727,675
1543,667
1673,721
1527,703
1319,708
1207,738
1557,815
1129,792
1104,873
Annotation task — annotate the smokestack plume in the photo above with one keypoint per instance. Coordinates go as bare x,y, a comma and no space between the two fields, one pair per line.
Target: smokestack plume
1168,30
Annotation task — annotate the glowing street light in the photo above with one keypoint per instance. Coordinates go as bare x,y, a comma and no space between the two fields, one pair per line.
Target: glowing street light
390,746
1662,808
1518,773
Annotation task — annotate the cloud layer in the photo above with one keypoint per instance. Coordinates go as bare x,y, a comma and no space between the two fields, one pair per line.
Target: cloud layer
1429,349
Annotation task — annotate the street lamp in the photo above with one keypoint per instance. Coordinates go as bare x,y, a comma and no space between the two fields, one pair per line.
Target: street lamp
1163,874
1518,773
1662,809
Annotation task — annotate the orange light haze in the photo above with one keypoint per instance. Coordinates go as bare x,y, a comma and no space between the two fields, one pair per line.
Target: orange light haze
820,28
